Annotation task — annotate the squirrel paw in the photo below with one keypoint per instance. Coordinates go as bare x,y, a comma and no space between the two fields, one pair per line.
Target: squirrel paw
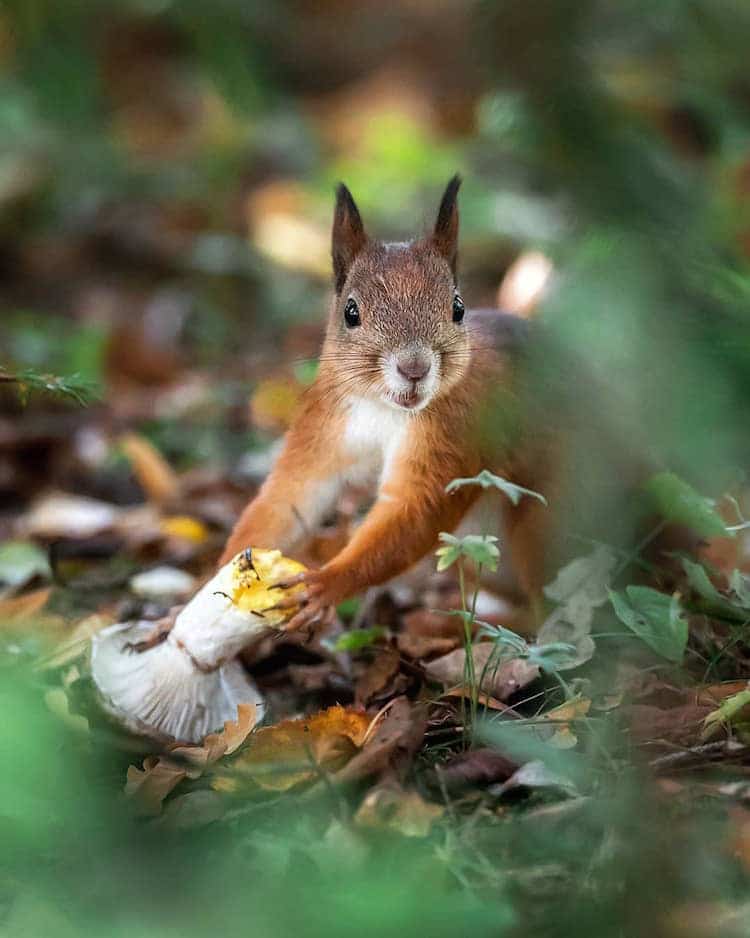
315,603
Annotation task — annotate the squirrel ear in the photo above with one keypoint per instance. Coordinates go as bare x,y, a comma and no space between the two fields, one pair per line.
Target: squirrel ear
445,235
348,236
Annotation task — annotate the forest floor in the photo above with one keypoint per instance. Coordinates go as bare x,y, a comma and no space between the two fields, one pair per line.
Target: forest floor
536,788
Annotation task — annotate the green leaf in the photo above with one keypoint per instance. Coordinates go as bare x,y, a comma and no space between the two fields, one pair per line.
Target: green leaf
502,636
488,480
699,580
655,618
358,639
728,709
555,656
677,501
348,608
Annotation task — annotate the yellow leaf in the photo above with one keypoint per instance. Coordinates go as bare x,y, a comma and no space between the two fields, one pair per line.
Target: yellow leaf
295,751
563,736
274,403
185,528
406,812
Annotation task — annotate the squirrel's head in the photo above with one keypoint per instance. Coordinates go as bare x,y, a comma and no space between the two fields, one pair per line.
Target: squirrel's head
396,330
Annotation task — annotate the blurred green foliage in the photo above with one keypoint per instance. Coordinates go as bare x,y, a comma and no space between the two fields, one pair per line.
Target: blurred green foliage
616,137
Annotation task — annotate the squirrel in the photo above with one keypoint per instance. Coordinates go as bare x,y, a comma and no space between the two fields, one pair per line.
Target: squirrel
400,402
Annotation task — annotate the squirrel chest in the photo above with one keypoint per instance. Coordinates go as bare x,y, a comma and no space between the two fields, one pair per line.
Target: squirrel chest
373,435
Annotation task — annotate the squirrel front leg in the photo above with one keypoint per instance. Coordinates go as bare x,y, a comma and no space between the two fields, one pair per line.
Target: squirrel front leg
401,527
301,488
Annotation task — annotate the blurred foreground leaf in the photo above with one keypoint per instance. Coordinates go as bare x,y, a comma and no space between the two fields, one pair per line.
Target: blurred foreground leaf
655,618
678,501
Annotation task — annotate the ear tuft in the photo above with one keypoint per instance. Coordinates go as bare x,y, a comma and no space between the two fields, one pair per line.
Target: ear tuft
445,234
348,236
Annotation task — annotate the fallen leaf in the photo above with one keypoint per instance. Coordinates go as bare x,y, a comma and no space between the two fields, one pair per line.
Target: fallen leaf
423,646
377,674
484,699
679,725
389,807
561,718
581,586
149,786
216,745
154,474
163,583
427,633
396,730
184,528
713,694
500,680
275,402
475,767
296,751
579,589
15,608
535,774
68,516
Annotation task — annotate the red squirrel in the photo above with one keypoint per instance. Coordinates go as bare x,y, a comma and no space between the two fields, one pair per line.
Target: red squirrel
397,405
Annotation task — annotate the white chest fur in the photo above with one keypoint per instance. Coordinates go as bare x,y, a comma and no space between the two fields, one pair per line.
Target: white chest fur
374,434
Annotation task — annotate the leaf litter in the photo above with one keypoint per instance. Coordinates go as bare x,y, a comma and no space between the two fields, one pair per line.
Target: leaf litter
375,716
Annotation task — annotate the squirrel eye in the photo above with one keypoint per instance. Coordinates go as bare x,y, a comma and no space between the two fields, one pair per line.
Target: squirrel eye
351,314
458,308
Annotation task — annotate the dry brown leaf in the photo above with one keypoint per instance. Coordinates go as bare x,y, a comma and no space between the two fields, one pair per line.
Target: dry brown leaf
476,767
297,751
395,730
15,608
712,694
484,699
154,474
389,807
679,725
216,745
428,623
377,675
149,786
500,681
422,646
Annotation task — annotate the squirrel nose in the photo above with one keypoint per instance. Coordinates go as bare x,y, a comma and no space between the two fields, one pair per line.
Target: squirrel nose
414,369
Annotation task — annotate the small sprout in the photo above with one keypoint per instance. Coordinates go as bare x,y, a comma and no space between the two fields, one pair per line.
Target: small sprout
489,480
482,549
